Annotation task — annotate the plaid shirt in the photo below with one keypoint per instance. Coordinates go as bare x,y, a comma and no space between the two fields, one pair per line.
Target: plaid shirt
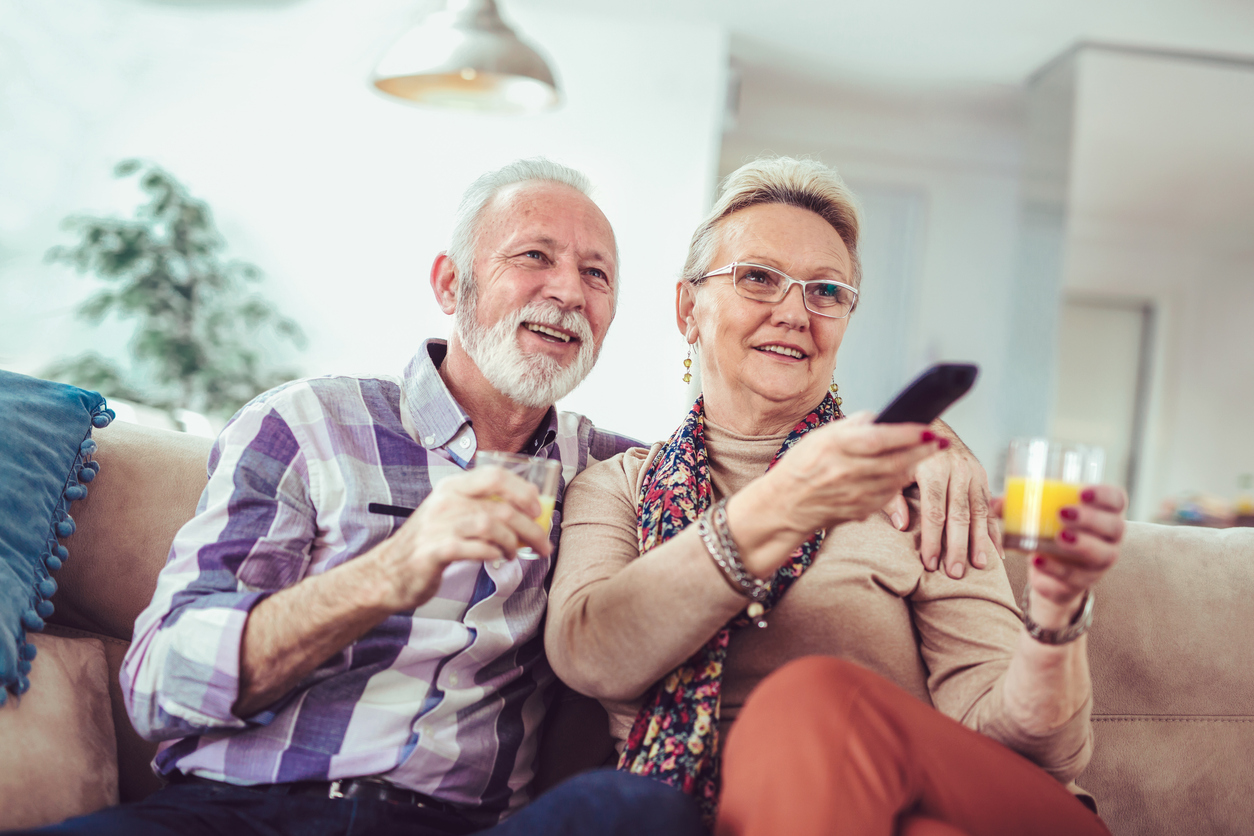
446,700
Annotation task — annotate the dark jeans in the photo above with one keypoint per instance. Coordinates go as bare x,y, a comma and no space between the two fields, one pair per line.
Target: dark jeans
601,802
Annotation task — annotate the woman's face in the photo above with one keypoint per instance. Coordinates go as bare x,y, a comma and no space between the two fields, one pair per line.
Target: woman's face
779,357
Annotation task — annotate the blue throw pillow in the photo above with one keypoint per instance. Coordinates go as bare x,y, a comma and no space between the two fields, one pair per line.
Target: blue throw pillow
45,464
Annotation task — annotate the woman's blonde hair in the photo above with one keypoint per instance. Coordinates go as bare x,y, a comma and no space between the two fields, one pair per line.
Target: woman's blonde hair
806,184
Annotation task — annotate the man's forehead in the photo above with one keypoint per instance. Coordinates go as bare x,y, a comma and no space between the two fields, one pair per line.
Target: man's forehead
548,213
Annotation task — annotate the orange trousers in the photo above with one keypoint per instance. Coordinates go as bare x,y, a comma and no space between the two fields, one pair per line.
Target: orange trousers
823,746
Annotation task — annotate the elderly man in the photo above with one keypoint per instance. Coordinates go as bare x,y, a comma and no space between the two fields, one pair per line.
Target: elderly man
314,661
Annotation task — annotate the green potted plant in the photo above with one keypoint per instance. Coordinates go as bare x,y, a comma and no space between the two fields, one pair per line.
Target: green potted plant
204,337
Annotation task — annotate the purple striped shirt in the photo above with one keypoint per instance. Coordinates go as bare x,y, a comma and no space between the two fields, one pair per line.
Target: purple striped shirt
446,700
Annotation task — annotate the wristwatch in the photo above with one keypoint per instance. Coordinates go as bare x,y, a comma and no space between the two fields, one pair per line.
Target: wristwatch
1078,627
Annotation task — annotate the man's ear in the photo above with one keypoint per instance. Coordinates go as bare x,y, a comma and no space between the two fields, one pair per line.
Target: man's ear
685,304
444,283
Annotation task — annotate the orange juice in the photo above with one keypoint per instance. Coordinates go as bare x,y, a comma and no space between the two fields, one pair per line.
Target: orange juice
1031,510
546,512
544,474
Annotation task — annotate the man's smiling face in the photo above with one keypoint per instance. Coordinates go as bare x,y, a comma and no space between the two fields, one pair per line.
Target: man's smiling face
543,292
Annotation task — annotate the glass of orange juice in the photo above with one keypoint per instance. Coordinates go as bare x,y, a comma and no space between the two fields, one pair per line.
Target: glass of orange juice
1043,476
541,472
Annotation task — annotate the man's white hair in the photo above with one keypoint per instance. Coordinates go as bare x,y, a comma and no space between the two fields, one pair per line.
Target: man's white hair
465,237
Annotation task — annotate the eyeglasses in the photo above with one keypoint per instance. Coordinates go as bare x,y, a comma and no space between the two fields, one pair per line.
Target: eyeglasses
766,284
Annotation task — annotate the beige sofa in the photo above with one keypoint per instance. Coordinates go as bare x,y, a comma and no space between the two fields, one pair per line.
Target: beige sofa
1173,664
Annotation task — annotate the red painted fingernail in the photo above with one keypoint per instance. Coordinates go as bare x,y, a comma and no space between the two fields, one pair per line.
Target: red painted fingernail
942,443
928,435
1038,561
1069,514
1067,535
1088,495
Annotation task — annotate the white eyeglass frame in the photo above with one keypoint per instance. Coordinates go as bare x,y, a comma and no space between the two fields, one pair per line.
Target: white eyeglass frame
731,269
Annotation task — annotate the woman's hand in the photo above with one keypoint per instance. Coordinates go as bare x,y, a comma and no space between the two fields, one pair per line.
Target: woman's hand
954,502
1090,537
843,472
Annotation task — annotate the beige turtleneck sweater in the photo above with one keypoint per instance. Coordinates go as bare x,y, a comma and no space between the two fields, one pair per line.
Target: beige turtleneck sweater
866,598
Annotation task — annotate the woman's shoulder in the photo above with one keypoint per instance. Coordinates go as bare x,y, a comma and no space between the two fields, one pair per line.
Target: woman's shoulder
606,492
617,474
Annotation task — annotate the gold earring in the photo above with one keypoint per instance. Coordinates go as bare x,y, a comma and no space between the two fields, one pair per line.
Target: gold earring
835,390
688,366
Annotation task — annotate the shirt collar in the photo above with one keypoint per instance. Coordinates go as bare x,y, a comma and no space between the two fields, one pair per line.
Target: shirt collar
544,435
436,421
429,413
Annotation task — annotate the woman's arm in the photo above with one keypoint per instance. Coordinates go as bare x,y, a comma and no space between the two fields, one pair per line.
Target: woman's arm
985,669
970,637
619,621
1046,684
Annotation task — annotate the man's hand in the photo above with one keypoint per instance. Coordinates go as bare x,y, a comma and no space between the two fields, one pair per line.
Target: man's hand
954,505
482,515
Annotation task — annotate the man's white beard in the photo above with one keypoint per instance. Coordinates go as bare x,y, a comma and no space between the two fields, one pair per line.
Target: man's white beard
531,380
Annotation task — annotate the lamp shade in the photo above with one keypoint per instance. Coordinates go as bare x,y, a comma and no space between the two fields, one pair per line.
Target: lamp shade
464,56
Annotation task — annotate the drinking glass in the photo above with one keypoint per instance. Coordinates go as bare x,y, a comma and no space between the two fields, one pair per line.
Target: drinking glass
541,472
1042,476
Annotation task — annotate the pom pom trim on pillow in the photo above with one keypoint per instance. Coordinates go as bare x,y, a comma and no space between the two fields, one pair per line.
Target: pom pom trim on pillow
60,525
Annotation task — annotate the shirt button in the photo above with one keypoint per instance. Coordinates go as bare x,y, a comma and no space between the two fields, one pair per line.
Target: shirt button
429,440
452,679
465,442
498,563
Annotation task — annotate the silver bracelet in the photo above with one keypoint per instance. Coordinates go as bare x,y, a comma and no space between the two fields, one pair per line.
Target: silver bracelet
716,535
1079,625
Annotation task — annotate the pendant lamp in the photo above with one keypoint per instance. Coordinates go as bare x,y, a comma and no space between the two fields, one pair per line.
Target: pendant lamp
464,56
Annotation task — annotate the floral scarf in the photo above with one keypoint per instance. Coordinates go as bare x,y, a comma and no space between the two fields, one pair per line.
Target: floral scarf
675,736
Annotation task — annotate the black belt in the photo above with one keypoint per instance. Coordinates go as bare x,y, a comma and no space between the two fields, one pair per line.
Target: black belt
371,789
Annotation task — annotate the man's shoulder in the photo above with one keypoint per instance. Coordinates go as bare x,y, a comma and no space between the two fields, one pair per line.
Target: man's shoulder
600,444
335,395
314,414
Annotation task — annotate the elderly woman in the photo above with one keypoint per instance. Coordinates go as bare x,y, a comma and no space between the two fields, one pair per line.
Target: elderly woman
741,577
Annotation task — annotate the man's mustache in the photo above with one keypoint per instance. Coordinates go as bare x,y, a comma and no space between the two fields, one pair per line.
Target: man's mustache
542,314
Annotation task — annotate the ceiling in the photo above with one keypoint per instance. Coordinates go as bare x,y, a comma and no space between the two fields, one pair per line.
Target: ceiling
939,42
910,43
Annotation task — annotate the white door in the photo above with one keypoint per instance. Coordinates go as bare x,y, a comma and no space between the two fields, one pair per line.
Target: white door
1102,379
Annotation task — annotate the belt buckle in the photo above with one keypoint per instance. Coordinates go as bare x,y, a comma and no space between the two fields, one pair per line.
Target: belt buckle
335,791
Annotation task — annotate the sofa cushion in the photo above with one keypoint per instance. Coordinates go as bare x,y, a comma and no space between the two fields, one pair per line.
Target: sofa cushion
136,780
149,485
1175,639
60,759
1169,623
45,459
1173,694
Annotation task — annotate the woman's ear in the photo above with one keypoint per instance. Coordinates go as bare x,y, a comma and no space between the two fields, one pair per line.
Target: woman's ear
685,309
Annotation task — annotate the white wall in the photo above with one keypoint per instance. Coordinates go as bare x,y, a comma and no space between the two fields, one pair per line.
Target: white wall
1112,174
1162,210
938,174
344,197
